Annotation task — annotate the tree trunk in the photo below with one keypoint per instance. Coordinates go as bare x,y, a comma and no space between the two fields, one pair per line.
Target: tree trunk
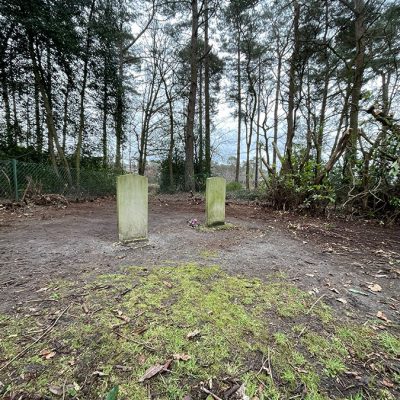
189,148
82,97
7,110
287,166
207,92
258,124
38,124
39,80
358,72
276,108
65,119
105,112
171,134
200,130
239,134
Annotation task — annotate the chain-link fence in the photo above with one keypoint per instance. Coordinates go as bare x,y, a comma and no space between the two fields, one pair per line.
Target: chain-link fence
16,177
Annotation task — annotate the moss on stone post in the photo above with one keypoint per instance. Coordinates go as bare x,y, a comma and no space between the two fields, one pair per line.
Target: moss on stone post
215,201
132,206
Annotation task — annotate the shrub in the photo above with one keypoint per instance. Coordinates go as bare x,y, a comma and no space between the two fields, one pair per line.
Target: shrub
233,186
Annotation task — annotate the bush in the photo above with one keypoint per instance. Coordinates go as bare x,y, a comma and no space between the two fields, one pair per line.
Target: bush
233,186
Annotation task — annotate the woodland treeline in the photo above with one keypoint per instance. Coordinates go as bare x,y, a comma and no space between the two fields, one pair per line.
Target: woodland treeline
313,87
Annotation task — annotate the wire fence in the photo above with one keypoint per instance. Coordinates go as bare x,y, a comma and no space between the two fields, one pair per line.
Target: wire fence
16,177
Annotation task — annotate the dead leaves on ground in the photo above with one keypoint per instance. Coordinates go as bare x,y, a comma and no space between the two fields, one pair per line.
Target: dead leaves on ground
382,316
155,370
161,368
47,354
374,287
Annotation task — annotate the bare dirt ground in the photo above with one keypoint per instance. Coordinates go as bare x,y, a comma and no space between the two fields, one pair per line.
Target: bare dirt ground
331,258
352,266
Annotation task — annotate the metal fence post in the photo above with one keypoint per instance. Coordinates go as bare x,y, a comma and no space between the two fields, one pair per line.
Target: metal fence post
15,176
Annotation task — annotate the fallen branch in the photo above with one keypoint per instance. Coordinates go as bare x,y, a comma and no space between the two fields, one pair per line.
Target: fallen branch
22,352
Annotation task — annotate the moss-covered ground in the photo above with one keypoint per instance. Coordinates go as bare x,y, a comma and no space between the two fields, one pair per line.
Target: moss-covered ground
212,331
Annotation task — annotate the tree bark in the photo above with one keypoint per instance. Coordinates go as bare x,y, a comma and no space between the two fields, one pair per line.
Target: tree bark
82,96
200,130
287,166
239,99
207,92
38,73
189,140
358,72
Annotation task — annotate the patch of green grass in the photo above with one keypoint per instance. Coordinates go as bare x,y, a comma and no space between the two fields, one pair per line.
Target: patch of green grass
357,396
334,367
390,343
117,338
208,253
281,339
357,338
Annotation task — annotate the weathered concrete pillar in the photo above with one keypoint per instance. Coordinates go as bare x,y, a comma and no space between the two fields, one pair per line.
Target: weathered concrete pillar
215,201
132,207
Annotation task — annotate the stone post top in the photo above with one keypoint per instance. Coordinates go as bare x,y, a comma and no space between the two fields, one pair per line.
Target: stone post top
216,178
130,176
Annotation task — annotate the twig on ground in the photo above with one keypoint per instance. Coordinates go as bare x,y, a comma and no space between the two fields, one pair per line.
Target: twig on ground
270,368
22,352
301,332
314,304
210,393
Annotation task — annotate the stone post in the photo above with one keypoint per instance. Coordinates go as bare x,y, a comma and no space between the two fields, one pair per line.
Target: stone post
132,207
215,201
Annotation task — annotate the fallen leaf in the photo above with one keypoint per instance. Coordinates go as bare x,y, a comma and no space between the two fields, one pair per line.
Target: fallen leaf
352,373
344,301
167,284
374,287
85,308
382,316
310,275
193,334
182,357
387,383
155,370
122,317
334,290
57,390
141,359
47,354
99,373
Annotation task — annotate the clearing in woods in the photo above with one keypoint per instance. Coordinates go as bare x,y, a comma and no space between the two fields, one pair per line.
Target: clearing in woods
277,306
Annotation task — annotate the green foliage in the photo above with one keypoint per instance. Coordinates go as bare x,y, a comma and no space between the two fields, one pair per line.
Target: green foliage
178,172
298,190
45,179
233,186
